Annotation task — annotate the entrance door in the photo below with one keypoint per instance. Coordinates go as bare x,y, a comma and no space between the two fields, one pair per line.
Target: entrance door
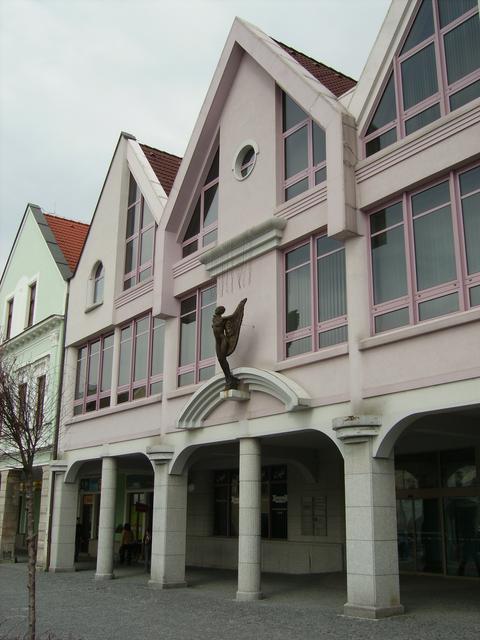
419,535
462,535
140,513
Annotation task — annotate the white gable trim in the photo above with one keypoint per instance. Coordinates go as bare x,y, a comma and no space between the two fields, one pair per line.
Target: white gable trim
146,179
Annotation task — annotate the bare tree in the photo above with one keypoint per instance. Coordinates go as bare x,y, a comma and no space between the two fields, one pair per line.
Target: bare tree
26,428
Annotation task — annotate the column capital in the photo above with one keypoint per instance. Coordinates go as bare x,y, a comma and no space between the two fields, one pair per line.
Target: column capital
58,466
356,429
160,454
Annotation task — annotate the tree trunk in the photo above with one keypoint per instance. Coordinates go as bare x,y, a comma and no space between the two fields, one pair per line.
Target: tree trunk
32,553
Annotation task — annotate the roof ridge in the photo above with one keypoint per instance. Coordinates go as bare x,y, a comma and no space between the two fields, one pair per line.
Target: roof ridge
143,144
54,215
287,46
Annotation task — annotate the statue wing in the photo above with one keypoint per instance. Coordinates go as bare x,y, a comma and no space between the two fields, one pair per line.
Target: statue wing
232,327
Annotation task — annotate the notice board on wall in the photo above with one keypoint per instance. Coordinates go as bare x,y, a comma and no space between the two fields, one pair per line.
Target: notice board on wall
314,516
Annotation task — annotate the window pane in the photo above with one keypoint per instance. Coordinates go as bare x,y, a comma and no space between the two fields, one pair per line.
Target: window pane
147,246
451,9
158,344
213,172
94,360
422,119
332,337
292,114
133,215
475,296
206,373
125,356
298,256
462,49
470,181
133,192
319,148
458,468
392,320
296,152
147,216
141,356
327,245
331,286
80,381
210,204
122,397
189,249
431,198
185,378
321,175
419,77
209,238
188,331
209,296
298,299
106,382
139,392
296,189
389,265
156,387
438,307
297,347
386,111
471,224
422,27
129,283
434,253
207,342
193,228
383,141
104,402
468,94
98,290
131,256
188,305
145,274
386,217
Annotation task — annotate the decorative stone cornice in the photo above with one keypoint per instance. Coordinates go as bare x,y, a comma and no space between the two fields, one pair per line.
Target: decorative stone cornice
247,245
31,334
58,466
356,429
211,394
159,454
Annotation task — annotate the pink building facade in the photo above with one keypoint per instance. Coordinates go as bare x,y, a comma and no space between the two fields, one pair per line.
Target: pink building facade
348,215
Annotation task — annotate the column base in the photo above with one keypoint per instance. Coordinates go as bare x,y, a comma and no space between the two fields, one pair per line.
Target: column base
104,576
372,613
61,569
249,596
154,584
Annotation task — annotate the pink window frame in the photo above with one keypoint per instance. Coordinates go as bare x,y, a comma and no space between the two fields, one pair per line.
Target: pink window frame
311,169
138,234
96,280
203,230
8,329
197,365
98,395
414,297
147,382
441,97
316,327
32,295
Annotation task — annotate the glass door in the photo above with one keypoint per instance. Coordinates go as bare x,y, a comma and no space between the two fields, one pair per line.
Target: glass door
462,535
419,535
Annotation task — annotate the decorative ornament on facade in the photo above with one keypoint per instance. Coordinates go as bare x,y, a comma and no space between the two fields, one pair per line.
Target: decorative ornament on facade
226,331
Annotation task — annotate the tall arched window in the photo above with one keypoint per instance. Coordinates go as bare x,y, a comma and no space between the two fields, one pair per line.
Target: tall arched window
98,280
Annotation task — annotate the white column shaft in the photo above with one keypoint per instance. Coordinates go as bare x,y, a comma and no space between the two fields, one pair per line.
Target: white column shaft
106,525
249,537
64,519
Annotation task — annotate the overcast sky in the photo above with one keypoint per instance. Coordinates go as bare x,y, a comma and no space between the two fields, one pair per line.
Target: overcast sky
74,73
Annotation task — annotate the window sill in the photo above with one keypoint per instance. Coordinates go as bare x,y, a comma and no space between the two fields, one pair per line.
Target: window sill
125,406
423,328
310,358
93,306
184,391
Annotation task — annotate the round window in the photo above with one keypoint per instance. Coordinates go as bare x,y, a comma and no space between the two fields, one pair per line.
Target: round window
245,159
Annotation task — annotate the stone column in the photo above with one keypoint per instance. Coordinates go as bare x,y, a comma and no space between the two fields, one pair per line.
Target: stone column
169,526
9,502
249,536
106,524
373,587
42,540
64,519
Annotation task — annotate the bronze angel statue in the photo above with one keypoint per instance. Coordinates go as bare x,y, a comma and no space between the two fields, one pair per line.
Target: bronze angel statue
226,330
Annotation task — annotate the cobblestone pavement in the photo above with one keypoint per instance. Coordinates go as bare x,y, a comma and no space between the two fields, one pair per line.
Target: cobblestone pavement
71,606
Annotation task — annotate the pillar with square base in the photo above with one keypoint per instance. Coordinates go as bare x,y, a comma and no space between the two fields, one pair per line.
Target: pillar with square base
64,519
373,587
249,533
106,524
169,526
9,503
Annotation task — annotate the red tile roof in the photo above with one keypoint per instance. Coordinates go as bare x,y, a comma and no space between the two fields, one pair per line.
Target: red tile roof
165,165
70,236
337,82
